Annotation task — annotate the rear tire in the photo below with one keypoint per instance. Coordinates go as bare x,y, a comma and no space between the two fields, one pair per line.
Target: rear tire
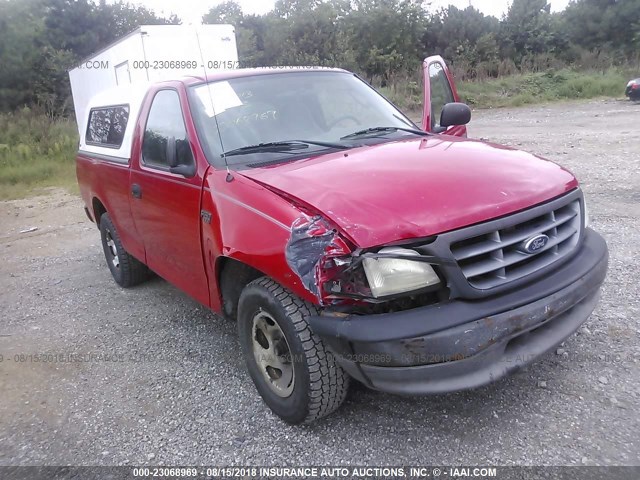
297,377
127,271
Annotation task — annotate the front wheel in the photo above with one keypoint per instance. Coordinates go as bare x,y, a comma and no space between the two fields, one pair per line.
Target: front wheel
297,377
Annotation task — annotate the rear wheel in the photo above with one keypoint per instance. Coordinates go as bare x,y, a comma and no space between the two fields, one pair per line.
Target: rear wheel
127,271
297,377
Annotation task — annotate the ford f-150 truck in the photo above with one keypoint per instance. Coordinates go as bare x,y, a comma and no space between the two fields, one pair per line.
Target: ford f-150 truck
347,241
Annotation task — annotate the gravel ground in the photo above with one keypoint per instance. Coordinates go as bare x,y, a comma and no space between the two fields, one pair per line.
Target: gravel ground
166,384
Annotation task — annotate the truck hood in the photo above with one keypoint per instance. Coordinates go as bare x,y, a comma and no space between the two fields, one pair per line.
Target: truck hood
417,187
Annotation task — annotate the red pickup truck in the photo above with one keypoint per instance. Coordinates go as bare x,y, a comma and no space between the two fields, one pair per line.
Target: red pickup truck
347,242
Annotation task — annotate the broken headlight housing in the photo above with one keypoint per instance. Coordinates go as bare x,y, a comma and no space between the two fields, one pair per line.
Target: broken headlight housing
389,274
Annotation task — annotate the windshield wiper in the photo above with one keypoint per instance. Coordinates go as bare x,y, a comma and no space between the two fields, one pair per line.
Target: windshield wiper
283,146
373,130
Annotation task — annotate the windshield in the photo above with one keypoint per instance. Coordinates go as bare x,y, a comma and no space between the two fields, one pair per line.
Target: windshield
321,108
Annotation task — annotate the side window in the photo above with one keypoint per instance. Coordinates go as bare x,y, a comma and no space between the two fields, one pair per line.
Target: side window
106,126
441,93
165,121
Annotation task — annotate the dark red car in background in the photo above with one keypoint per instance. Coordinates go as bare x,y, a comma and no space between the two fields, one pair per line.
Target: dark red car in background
633,89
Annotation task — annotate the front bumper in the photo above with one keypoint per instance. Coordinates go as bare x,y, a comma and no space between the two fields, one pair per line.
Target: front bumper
465,344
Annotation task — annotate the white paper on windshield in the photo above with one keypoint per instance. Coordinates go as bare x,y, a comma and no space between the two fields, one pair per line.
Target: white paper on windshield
217,97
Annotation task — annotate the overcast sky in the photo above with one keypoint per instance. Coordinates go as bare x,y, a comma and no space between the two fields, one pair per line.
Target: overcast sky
191,11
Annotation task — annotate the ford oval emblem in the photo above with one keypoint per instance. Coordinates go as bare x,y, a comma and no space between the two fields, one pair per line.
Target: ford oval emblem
535,243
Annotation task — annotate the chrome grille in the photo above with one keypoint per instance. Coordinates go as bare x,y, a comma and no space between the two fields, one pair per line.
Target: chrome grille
496,257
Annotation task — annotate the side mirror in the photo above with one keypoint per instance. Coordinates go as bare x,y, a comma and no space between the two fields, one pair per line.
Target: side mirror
177,163
184,170
455,113
172,152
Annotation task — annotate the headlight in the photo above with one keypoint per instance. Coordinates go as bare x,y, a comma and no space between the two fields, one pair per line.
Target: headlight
389,276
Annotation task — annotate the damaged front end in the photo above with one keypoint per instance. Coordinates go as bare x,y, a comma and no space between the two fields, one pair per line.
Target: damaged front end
346,279
313,243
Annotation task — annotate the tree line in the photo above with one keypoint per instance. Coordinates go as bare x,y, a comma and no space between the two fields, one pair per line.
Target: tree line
383,40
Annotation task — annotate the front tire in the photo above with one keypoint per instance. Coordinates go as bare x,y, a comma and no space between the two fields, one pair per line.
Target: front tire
126,270
297,377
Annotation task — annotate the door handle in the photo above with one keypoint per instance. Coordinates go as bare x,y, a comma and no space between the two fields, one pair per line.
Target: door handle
136,191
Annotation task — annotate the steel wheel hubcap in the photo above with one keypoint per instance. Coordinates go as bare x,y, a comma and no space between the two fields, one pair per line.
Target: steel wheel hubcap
112,249
272,354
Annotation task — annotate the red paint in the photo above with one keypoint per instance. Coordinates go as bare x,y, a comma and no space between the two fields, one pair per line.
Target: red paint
416,188
167,217
376,195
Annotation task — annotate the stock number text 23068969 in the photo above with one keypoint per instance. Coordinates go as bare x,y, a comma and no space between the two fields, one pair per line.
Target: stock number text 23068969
184,64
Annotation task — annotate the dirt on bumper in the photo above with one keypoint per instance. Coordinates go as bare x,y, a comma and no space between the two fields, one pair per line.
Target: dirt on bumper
488,338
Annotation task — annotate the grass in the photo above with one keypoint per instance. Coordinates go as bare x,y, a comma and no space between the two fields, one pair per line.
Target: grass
518,90
35,152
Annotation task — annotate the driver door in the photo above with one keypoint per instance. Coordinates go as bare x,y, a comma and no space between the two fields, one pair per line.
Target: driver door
439,89
166,205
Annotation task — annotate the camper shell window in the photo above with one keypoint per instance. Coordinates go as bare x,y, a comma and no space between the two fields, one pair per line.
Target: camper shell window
107,125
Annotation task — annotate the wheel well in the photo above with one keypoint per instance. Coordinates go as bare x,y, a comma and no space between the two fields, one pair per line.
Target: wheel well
233,276
98,210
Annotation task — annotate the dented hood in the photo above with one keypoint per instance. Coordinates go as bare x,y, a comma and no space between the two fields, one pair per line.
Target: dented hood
417,187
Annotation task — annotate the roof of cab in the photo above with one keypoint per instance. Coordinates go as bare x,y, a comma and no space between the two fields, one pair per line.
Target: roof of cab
249,72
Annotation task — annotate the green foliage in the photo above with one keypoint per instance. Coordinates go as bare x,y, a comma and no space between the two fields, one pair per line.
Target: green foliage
19,29
387,39
610,25
377,38
528,29
35,151
529,88
40,40
226,12
466,38
385,36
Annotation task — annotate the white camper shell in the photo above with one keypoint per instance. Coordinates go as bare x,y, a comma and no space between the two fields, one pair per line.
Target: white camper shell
150,54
